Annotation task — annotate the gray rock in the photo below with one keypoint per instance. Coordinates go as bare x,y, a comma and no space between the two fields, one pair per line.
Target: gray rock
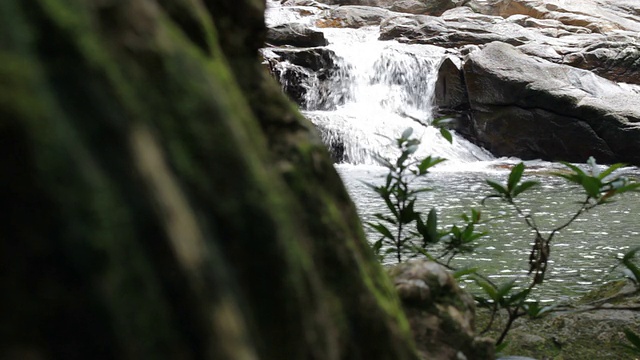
354,16
316,59
596,15
440,313
429,7
451,93
454,29
305,75
611,59
531,108
295,35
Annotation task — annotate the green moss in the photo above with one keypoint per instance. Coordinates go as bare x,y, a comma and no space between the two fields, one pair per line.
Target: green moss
603,292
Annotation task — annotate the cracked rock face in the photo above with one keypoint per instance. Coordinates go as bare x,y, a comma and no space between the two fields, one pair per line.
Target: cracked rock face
529,107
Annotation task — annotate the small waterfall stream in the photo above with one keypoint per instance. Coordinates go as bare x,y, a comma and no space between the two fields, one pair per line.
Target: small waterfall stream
379,88
387,88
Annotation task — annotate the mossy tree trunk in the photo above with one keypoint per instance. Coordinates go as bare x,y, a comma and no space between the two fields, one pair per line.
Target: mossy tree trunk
162,199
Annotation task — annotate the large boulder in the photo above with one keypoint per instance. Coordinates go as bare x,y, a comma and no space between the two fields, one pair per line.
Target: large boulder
532,108
604,41
295,34
441,314
353,16
457,28
614,59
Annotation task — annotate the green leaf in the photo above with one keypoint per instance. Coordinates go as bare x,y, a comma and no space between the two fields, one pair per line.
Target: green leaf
487,287
407,133
610,170
632,337
477,235
418,191
408,214
575,169
504,289
630,187
497,187
447,135
591,186
501,347
383,230
391,206
464,271
524,187
518,297
428,163
438,122
489,197
423,252
515,176
432,223
429,231
468,231
377,246
635,271
631,253
475,216
385,218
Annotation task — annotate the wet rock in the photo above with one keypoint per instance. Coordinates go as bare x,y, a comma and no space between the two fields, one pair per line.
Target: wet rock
299,3
316,59
451,93
292,79
354,17
454,29
441,314
612,55
614,60
295,35
429,7
306,75
532,108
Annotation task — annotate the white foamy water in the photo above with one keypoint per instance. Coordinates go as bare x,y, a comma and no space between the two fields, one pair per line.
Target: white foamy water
386,88
379,89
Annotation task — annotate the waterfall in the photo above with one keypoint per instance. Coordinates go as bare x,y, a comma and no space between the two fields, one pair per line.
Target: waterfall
376,90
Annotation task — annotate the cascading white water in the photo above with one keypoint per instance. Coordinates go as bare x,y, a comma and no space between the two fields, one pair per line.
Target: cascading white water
386,88
379,89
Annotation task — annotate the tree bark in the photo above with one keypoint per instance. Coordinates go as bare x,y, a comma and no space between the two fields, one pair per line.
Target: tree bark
162,199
